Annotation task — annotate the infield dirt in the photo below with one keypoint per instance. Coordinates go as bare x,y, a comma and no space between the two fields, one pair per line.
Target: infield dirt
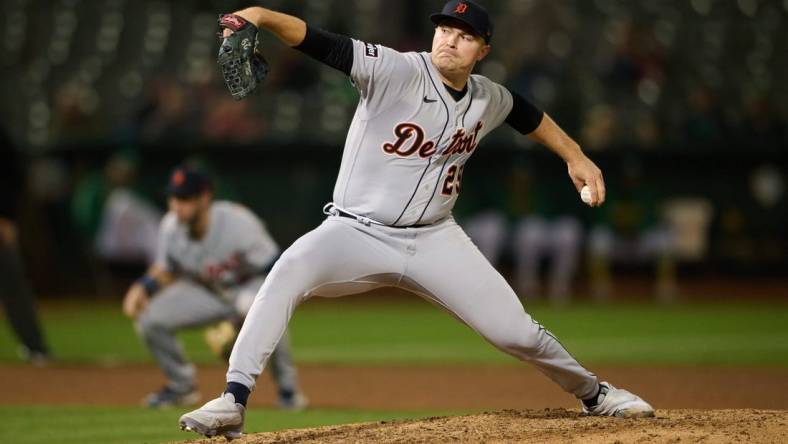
551,426
412,387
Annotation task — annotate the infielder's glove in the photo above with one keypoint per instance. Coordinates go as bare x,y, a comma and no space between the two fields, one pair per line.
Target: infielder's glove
221,338
241,64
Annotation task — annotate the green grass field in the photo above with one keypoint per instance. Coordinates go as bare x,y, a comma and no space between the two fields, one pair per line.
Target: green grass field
411,331
128,425
391,332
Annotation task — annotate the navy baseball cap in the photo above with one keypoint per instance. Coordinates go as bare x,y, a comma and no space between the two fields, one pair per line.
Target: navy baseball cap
186,182
468,12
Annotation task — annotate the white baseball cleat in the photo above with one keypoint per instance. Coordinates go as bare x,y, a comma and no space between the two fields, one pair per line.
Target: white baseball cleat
219,417
619,403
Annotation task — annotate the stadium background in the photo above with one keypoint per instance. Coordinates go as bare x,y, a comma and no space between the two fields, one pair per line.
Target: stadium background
685,98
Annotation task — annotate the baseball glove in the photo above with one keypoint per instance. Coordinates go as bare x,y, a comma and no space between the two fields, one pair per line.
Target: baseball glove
240,62
221,338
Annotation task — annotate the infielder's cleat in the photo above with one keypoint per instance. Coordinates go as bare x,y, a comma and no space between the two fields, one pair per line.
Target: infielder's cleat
168,397
619,403
294,403
219,417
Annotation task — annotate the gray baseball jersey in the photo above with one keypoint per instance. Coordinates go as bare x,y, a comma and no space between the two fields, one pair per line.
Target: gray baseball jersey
409,140
236,247
400,176
217,278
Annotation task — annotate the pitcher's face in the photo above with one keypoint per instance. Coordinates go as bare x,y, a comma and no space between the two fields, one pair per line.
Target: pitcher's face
456,48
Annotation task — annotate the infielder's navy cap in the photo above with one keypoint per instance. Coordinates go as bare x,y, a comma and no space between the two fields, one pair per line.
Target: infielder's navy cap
186,182
468,12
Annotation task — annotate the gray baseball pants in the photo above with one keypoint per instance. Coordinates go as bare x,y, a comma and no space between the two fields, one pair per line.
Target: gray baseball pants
438,262
187,304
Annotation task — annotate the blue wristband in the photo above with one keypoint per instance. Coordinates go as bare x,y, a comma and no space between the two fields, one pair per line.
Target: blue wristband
149,283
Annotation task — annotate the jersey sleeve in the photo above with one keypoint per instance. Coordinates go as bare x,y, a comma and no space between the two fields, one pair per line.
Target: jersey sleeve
499,103
163,260
260,249
382,75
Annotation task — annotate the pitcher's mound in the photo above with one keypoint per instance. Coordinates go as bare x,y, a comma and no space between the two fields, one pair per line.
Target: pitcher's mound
551,426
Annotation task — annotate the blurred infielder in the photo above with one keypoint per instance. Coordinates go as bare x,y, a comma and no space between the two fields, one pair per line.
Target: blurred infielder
419,118
211,259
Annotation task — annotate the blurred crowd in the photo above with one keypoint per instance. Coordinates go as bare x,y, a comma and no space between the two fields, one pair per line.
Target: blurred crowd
669,75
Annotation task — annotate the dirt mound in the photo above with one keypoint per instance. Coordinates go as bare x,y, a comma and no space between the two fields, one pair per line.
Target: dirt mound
551,426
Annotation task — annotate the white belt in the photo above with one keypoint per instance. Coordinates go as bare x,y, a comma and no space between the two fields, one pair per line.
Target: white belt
332,210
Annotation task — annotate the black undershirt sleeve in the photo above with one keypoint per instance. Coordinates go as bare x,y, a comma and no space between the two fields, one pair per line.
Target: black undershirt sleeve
524,116
332,49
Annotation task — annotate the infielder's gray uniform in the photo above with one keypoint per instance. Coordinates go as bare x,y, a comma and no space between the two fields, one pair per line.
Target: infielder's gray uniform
217,278
401,174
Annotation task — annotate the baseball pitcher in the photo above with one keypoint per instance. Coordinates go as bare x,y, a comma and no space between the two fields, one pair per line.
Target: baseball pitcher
420,117
211,259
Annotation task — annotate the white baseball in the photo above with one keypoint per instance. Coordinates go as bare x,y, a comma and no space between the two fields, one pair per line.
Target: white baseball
585,194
